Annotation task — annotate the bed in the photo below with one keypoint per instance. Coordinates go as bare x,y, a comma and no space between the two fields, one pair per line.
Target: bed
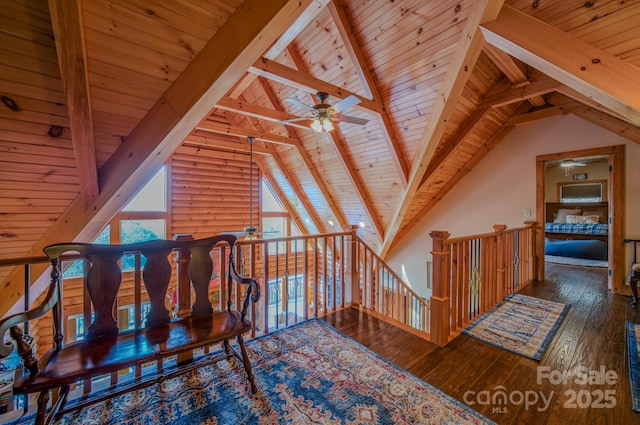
582,221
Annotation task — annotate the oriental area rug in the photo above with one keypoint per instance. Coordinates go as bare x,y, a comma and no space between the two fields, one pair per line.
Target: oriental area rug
308,373
633,344
521,324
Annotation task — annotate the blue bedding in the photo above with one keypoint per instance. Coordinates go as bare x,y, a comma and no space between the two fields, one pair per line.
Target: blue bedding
579,229
590,249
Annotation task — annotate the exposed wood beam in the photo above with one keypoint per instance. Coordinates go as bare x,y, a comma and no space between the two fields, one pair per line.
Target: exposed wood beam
303,21
518,93
338,13
573,94
462,64
515,72
591,71
68,30
292,77
266,172
336,211
345,159
226,145
468,166
543,114
467,127
248,32
275,155
299,191
234,130
258,111
608,122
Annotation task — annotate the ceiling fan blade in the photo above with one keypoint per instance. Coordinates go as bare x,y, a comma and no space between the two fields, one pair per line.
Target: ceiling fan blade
346,103
352,120
299,104
294,120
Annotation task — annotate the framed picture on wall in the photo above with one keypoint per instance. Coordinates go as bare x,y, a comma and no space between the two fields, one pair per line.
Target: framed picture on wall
581,176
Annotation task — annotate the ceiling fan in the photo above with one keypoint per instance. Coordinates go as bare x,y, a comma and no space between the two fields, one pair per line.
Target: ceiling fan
323,113
571,163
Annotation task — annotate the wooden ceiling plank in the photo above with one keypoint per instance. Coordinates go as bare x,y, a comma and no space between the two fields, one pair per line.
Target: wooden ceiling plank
338,13
336,211
66,20
497,137
446,151
345,159
266,172
234,130
591,71
460,70
299,191
303,21
254,26
258,111
292,77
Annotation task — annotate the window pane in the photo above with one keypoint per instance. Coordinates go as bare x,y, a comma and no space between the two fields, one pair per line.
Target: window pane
132,231
269,200
152,197
77,267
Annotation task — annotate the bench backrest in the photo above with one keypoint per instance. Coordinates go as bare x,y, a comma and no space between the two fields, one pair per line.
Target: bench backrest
104,276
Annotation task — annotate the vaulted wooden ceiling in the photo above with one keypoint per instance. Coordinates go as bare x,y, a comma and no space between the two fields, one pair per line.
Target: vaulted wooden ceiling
440,82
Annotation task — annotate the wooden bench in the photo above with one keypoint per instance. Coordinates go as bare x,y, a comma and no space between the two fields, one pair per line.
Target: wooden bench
106,349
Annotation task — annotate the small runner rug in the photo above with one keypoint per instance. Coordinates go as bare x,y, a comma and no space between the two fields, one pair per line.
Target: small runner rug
633,341
306,374
521,324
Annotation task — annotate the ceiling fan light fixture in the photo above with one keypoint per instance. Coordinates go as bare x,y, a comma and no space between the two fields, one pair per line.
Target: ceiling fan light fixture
567,163
321,125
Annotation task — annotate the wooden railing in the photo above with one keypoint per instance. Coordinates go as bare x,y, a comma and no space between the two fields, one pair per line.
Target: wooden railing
474,273
300,277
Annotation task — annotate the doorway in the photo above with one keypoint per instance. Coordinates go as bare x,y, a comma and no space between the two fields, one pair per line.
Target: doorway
614,197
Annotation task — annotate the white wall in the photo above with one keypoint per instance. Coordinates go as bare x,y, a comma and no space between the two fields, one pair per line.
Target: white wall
503,185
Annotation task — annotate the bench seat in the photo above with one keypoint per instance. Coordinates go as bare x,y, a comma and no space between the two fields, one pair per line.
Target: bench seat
108,353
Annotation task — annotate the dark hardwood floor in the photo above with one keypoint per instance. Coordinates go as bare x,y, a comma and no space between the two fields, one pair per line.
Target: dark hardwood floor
590,339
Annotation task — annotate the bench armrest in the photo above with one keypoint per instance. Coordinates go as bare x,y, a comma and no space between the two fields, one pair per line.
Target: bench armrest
253,291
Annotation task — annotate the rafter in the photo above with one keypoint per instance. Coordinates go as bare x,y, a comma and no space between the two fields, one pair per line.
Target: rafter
248,32
460,69
543,114
333,205
591,71
520,92
608,122
345,159
445,152
258,111
68,30
266,173
235,130
497,137
338,13
292,77
515,72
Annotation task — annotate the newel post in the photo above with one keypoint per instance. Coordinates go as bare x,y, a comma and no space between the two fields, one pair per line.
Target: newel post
183,282
501,262
352,272
440,308
533,255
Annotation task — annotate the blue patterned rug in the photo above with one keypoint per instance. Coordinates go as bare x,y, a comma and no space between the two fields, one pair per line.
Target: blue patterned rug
633,332
521,324
306,374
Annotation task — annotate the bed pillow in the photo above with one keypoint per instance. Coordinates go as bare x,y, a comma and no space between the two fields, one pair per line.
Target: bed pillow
600,212
582,219
561,215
